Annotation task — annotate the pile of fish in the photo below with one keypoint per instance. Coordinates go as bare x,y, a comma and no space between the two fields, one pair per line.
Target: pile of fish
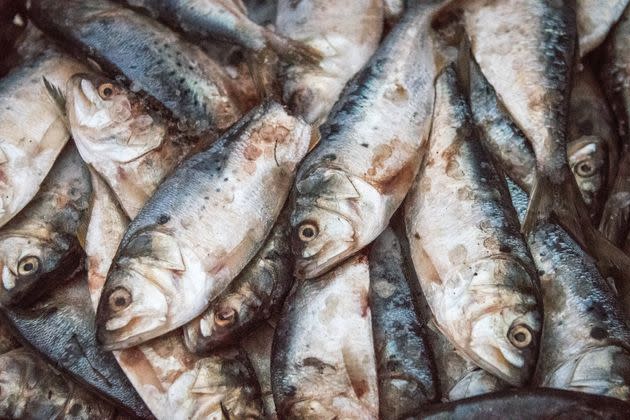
314,209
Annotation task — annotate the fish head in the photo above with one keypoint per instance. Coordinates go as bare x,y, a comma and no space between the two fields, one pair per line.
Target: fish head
109,121
587,159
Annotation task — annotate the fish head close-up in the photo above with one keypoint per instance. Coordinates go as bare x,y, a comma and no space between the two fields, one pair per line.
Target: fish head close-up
587,158
108,120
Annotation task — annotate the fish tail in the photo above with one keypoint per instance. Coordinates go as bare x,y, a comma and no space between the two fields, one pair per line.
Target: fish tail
293,51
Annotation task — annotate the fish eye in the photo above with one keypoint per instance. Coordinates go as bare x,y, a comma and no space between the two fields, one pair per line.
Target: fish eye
585,169
225,317
520,336
106,90
28,266
307,231
119,299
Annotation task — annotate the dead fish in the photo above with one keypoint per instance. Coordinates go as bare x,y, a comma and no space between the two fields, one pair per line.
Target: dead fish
32,126
258,345
345,33
525,404
406,373
322,363
166,273
8,341
128,143
594,20
33,390
39,247
148,56
472,262
350,185
252,297
227,21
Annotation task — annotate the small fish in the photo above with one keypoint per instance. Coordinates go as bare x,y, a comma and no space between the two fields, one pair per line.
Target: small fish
350,185
166,272
39,247
345,33
595,18
470,258
406,373
31,389
251,298
258,346
322,363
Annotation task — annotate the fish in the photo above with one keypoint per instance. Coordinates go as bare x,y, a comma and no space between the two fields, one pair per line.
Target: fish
258,345
148,57
322,361
165,273
595,20
352,182
406,373
32,126
473,264
346,34
225,20
32,389
127,142
524,404
393,10
251,298
263,12
585,340
40,245
8,341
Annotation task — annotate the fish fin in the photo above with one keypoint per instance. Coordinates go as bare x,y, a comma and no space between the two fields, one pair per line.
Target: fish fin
162,249
611,261
56,94
316,136
293,51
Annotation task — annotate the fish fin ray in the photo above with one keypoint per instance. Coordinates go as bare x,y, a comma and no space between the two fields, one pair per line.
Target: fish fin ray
55,93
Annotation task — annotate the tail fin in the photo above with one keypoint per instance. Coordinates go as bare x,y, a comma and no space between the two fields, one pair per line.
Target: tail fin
292,51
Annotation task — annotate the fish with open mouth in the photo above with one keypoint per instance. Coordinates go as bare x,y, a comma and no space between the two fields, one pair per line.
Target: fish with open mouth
471,260
350,185
165,272
39,247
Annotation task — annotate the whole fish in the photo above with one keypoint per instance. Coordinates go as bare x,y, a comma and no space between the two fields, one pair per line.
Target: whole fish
148,56
406,374
585,341
354,180
473,264
33,390
594,20
32,127
8,341
345,33
39,247
166,272
132,146
252,297
227,21
258,345
322,362
525,404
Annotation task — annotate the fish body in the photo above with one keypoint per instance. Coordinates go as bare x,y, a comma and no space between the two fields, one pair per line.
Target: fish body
472,262
350,185
406,373
323,363
258,345
595,20
166,273
345,33
39,247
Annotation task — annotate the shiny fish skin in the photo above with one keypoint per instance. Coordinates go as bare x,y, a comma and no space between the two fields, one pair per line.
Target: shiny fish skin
354,180
33,390
32,127
406,373
39,247
323,363
252,297
147,55
345,33
473,265
595,18
166,272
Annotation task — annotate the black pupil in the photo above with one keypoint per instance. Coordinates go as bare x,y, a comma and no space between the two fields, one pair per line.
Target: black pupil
28,266
520,337
308,232
107,91
120,301
586,167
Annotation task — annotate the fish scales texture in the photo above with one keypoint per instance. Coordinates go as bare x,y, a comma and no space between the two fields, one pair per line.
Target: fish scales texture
405,370
472,262
349,186
323,363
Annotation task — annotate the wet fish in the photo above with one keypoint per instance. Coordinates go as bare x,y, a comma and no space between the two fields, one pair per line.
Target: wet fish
354,180
8,341
594,20
33,390
525,404
345,33
146,55
252,297
40,246
32,127
227,21
473,264
165,273
258,345
323,363
406,373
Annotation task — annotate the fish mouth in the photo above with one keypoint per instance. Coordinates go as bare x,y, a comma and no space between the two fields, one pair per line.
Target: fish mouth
112,340
309,268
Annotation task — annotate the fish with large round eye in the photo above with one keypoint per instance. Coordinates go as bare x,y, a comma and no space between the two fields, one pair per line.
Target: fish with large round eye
520,336
587,159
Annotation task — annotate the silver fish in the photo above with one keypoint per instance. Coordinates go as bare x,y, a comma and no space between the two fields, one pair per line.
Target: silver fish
258,346
594,20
